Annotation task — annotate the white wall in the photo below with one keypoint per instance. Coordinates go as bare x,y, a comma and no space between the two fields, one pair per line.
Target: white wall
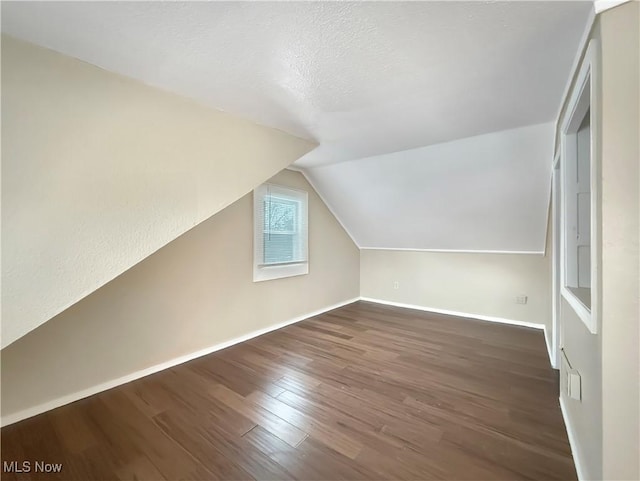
196,292
484,193
99,171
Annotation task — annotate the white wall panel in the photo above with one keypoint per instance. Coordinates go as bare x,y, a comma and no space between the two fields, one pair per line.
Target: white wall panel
484,193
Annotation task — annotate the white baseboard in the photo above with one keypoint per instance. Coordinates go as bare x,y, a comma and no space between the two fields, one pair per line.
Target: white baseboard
573,442
452,251
69,398
456,313
471,316
547,342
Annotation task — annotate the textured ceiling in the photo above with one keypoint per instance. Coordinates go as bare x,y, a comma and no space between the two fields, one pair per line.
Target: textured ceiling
362,79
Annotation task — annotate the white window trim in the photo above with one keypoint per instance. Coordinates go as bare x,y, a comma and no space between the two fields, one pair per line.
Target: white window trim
579,102
265,272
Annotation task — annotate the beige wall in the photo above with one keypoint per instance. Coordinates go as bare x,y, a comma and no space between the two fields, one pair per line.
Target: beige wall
620,30
99,171
606,422
193,293
583,352
473,283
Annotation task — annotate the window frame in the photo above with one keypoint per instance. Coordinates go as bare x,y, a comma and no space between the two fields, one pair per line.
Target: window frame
581,101
263,271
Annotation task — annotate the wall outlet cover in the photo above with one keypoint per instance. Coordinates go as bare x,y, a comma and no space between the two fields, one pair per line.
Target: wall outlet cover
574,385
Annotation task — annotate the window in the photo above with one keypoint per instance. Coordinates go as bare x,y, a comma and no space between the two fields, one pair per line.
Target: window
280,232
579,194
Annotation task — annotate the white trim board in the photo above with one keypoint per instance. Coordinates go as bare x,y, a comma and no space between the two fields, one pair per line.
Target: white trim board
582,311
308,178
582,45
584,97
573,441
547,342
548,226
69,398
453,251
556,246
479,317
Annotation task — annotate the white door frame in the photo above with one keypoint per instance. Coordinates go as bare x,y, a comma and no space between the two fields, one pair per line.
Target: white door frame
556,196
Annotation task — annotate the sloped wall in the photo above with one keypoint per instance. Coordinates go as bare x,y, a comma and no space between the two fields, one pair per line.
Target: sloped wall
99,171
196,292
484,193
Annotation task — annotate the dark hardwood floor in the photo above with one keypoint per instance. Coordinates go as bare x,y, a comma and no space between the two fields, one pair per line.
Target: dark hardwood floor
362,392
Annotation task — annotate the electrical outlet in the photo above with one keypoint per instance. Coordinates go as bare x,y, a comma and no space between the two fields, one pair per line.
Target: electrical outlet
396,285
521,299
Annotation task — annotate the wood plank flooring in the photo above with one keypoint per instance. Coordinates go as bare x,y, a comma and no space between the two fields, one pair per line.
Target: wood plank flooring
364,392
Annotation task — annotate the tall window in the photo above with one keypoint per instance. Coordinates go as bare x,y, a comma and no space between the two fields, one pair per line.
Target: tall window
280,232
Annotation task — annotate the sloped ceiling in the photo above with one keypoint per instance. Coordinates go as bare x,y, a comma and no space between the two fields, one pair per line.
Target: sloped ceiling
484,193
419,108
99,172
360,78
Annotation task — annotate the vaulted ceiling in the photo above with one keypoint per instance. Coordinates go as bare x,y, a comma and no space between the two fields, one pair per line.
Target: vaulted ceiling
360,78
488,193
392,92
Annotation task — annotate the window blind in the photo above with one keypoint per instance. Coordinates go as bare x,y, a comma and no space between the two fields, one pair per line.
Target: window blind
280,227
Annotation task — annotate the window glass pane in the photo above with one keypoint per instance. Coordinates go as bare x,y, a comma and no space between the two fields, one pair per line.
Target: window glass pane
280,215
577,208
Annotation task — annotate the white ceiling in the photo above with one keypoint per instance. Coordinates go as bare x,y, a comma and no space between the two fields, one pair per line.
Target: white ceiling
420,108
484,193
362,79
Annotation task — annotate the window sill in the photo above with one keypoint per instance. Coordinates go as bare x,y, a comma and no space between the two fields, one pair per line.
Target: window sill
580,308
267,273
